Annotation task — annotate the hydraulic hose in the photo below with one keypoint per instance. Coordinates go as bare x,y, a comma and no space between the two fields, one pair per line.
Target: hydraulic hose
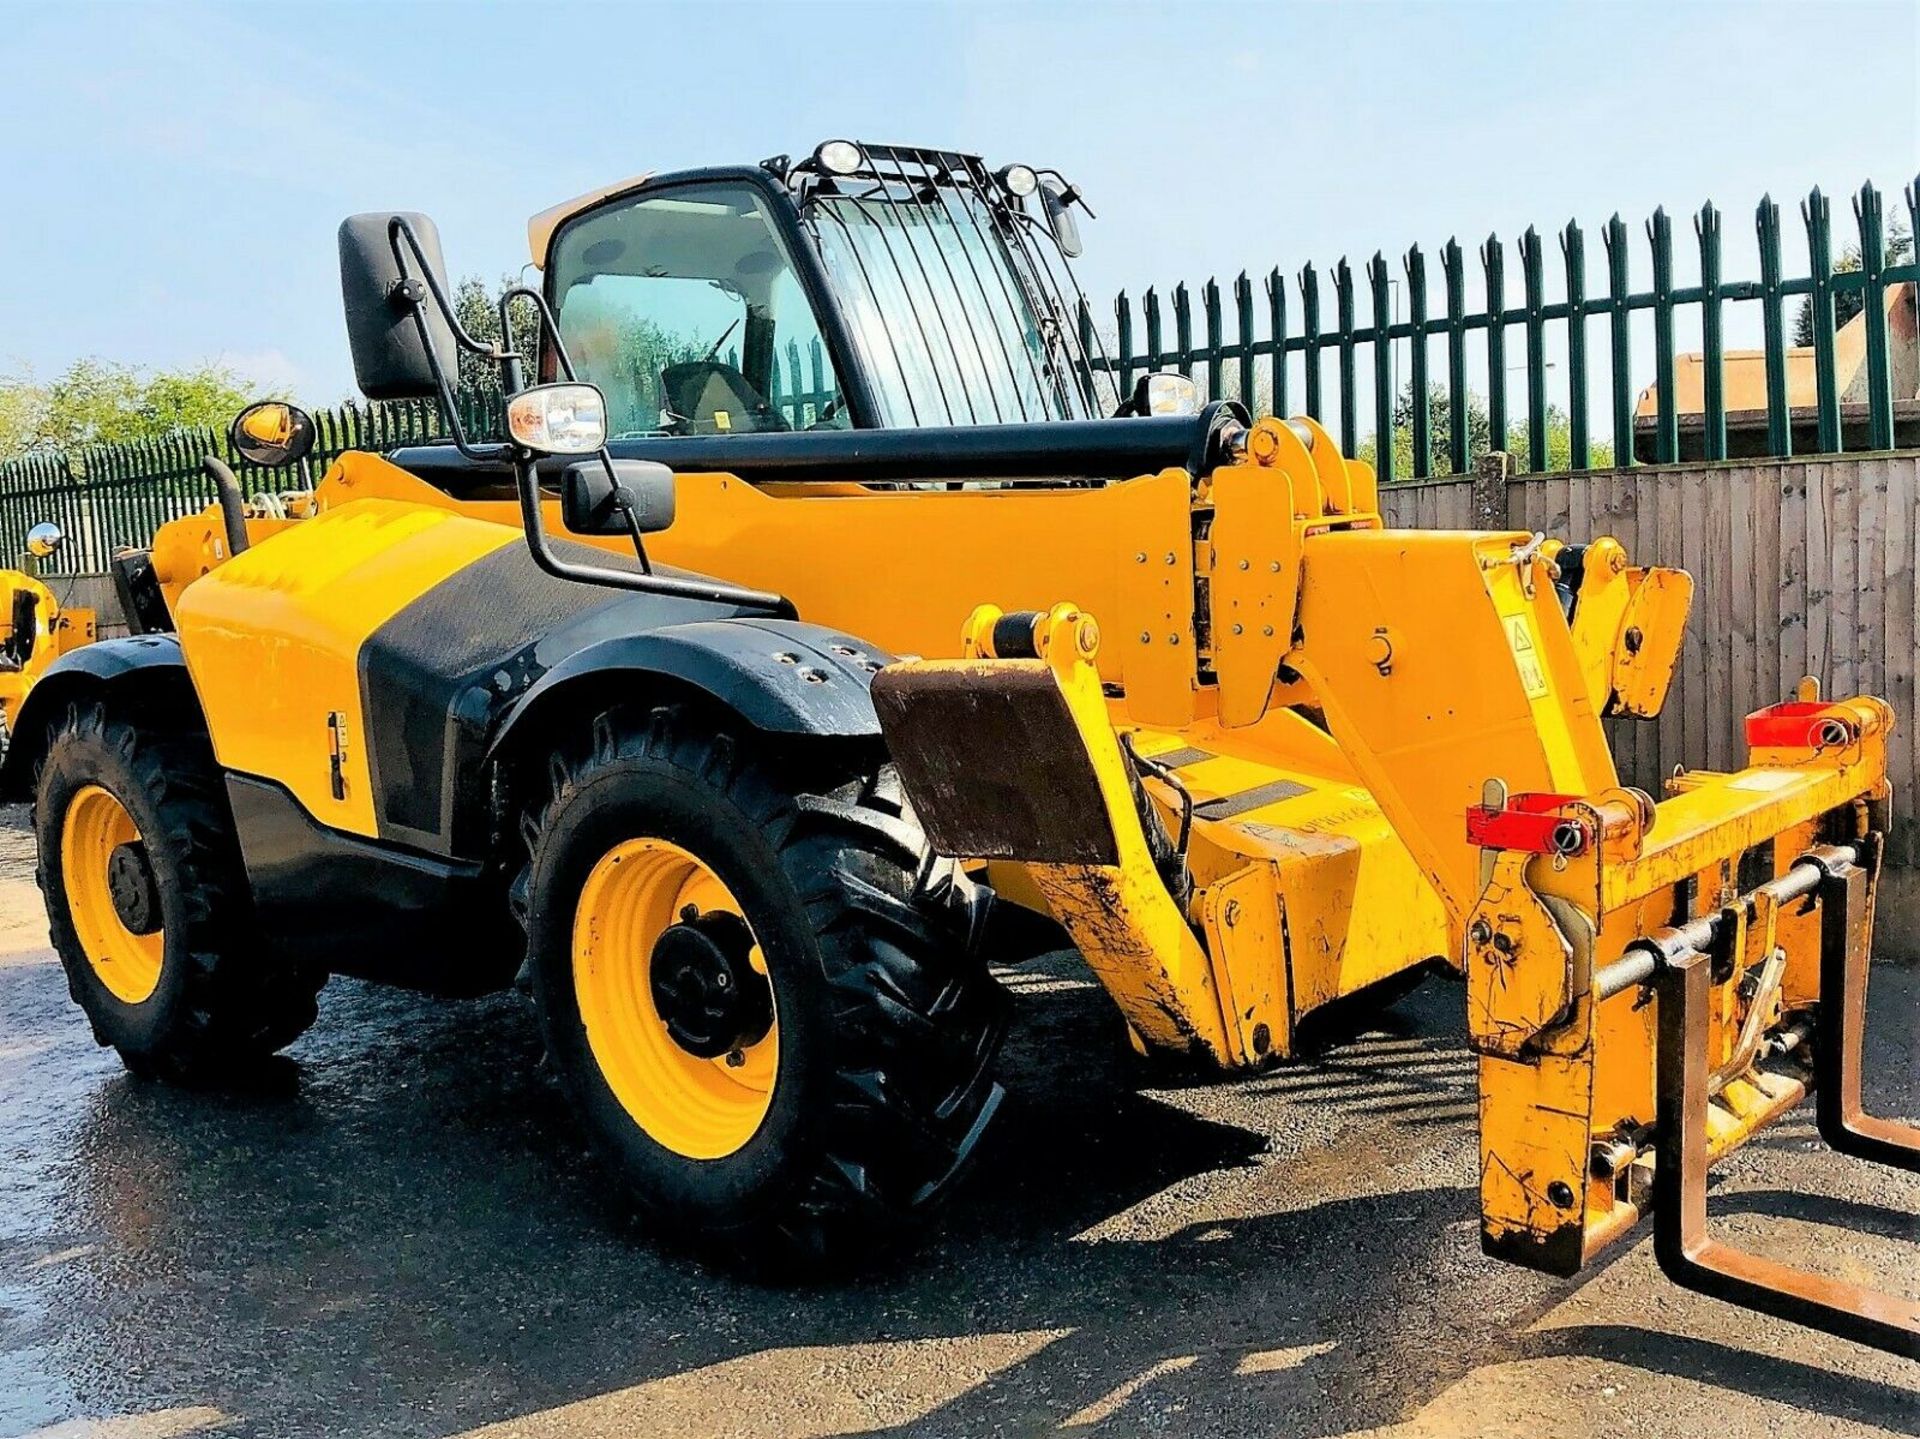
233,504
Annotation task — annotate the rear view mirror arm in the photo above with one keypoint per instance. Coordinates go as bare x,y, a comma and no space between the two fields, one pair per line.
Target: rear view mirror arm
421,284
416,291
527,481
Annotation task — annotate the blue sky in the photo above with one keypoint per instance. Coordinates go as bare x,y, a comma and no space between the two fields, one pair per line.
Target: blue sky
176,170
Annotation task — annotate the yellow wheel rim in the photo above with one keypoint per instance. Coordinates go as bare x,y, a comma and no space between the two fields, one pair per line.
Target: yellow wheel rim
700,1108
128,964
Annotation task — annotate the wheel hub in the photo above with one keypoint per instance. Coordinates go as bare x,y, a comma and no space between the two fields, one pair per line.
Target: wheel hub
130,884
705,988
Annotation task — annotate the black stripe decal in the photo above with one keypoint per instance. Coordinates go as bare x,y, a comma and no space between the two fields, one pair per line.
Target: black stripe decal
1179,758
1259,797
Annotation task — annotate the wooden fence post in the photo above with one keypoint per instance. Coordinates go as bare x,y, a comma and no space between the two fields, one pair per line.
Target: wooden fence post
1490,491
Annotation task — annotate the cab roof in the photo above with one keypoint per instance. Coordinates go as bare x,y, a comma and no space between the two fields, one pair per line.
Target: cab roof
541,228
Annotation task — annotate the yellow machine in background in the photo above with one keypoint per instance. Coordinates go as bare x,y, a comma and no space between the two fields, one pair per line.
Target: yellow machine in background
39,631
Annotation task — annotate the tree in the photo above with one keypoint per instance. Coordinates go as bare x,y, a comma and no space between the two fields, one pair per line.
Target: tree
23,408
1848,303
97,401
1479,436
478,309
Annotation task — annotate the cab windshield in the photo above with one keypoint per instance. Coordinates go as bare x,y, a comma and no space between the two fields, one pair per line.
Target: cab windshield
685,310
938,289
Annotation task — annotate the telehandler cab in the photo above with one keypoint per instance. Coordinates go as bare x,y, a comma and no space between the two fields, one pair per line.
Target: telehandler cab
40,627
1171,692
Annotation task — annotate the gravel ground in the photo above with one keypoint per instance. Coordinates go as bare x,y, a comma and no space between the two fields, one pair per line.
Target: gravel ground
399,1233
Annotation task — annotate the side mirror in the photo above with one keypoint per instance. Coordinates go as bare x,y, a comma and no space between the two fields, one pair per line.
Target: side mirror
591,503
1059,212
390,361
45,538
272,434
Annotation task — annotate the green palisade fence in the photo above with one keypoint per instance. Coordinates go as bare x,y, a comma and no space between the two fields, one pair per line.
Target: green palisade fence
108,496
1253,366
105,497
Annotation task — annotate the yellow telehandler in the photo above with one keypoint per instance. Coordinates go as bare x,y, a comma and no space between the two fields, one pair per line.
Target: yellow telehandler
824,631
40,628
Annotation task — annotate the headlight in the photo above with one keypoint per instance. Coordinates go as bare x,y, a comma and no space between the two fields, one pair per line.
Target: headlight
1162,393
1019,181
566,419
839,157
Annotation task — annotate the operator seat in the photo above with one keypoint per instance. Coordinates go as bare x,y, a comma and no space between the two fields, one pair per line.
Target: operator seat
699,393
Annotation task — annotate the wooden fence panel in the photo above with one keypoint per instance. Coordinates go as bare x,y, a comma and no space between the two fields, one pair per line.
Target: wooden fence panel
1428,505
1800,567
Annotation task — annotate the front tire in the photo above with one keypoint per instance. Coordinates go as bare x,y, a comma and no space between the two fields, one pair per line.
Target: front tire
148,903
769,1028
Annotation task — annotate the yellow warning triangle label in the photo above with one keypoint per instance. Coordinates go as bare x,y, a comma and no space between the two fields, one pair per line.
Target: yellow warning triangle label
1533,675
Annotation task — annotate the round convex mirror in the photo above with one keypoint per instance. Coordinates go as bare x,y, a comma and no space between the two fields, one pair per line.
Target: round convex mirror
44,538
272,433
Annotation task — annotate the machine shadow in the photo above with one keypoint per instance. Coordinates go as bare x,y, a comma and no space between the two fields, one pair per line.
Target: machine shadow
415,1235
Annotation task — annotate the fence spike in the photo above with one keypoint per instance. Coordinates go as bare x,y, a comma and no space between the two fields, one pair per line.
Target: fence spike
1383,434
1706,229
1573,252
1453,263
1666,439
1216,336
1493,261
1817,214
1183,329
1766,224
1343,318
1243,318
1310,335
1620,334
1418,383
1533,281
1277,320
1869,213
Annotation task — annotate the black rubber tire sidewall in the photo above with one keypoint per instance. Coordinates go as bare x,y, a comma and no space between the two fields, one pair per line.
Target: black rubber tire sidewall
647,796
141,1031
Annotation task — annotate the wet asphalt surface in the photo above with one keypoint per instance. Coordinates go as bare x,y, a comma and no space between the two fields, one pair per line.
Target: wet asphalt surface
399,1232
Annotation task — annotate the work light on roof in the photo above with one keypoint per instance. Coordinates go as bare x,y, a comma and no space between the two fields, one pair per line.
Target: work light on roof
839,157
1019,181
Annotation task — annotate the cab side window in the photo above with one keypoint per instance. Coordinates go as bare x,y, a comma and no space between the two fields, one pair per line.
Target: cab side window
684,308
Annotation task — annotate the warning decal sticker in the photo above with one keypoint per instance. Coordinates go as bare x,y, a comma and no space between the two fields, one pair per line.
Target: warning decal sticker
1526,656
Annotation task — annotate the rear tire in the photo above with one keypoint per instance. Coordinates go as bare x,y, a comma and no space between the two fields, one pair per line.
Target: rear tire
148,903
878,1076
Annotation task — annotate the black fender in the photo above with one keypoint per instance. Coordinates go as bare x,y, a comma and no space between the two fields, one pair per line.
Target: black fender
151,666
781,676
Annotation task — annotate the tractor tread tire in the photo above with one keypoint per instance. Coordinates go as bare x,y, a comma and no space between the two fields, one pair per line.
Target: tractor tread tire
910,1018
224,1002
